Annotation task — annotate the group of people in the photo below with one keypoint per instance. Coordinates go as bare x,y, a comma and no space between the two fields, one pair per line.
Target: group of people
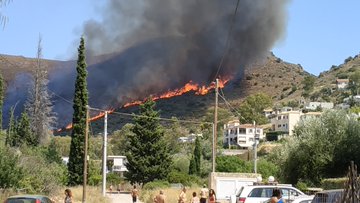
205,195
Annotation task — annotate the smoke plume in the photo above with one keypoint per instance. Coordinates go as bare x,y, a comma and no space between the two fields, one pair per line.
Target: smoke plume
150,46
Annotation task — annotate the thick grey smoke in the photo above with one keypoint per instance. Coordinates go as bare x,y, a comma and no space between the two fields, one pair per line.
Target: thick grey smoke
151,46
162,44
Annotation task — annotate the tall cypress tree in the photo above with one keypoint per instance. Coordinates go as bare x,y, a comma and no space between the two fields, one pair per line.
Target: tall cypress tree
195,161
197,155
76,157
1,99
147,153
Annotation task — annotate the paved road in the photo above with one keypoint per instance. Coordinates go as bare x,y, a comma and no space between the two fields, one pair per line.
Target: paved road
120,198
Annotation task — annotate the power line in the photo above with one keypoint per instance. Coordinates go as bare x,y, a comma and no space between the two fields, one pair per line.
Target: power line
227,43
231,108
157,118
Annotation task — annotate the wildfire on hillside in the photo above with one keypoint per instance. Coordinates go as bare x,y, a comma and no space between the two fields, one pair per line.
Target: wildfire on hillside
190,86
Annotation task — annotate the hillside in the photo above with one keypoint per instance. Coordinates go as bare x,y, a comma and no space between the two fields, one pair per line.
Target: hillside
282,81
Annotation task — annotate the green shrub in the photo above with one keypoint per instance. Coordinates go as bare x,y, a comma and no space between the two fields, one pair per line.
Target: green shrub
11,172
183,178
95,180
232,164
113,178
301,186
156,185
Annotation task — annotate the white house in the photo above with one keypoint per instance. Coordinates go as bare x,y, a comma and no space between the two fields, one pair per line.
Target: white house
242,135
323,105
118,165
190,138
342,83
286,121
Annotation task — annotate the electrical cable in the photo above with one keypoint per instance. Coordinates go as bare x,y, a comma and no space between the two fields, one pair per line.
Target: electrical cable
227,43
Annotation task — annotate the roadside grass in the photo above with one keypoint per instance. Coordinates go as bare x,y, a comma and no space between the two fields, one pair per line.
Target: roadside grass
172,194
93,195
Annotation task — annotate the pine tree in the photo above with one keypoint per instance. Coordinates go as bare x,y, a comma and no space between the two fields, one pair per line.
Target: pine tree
1,99
76,157
24,133
38,105
197,156
52,153
147,153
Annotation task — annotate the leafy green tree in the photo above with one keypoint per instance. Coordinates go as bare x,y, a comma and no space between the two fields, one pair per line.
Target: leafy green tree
322,148
76,157
119,140
1,99
148,154
24,132
11,172
308,82
252,108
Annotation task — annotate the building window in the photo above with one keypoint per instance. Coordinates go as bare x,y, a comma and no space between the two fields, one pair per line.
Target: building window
250,130
242,131
279,126
258,130
279,117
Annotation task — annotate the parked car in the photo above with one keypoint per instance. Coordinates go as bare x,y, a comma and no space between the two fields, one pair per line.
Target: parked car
327,196
28,199
262,193
305,199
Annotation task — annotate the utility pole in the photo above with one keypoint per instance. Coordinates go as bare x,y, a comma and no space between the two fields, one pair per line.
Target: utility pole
85,154
255,147
104,155
215,124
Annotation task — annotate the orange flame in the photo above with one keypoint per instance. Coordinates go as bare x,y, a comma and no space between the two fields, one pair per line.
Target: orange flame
190,86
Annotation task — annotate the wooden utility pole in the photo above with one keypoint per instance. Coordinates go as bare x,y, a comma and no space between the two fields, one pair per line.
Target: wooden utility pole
104,155
215,124
85,154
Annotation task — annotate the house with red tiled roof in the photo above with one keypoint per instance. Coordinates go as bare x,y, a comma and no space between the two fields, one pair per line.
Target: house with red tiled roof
342,83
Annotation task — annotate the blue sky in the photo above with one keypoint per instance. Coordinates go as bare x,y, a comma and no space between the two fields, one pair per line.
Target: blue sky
320,33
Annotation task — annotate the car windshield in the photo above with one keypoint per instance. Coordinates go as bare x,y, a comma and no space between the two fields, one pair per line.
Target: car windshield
21,200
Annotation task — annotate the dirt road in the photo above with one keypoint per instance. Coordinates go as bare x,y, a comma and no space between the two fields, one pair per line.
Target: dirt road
121,198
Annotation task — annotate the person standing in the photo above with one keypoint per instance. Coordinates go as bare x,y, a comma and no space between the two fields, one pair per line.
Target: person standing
68,196
134,194
160,198
203,194
212,196
276,196
182,196
194,199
